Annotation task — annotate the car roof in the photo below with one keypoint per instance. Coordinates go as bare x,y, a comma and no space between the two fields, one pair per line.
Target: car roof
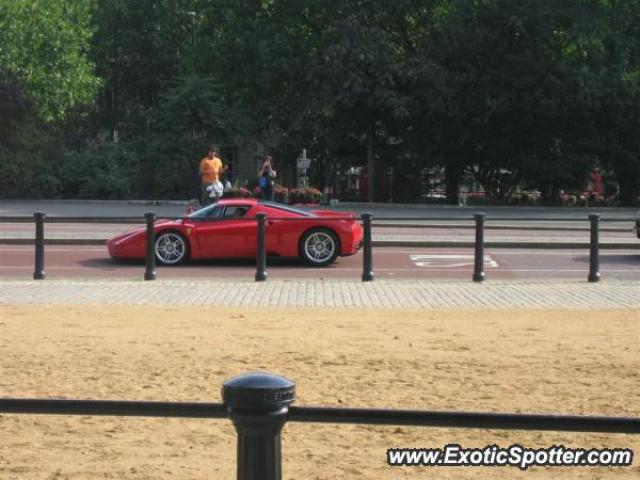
237,201
252,202
285,208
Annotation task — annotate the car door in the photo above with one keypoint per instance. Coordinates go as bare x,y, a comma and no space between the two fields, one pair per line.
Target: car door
282,231
228,234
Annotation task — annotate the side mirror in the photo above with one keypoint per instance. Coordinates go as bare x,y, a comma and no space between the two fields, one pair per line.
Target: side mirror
189,210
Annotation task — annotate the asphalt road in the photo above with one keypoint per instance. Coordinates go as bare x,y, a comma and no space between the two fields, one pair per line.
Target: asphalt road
17,261
98,232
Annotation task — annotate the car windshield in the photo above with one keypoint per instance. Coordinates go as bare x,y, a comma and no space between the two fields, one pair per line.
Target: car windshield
285,208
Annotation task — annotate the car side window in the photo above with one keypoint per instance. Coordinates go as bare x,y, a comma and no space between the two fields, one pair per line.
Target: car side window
206,213
215,212
235,211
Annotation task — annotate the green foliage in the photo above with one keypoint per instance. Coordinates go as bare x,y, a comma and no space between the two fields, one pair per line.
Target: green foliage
31,166
147,168
15,108
44,44
104,172
512,92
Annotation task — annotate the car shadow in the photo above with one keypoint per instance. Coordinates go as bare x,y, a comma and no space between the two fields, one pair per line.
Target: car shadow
110,264
272,262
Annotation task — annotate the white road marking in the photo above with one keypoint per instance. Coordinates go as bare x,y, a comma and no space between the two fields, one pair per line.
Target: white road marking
447,260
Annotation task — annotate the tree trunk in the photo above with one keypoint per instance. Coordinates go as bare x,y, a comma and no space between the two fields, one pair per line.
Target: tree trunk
628,190
380,185
452,179
627,172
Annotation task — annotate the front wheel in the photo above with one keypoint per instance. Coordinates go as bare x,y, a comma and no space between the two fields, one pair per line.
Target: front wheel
171,248
319,247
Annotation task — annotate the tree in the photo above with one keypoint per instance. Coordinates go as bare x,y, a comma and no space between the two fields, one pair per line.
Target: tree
514,99
614,93
44,45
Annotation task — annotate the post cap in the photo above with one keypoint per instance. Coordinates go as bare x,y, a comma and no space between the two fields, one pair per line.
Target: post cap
258,391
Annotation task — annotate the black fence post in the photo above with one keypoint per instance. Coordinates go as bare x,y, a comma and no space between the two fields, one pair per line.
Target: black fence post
594,251
258,404
261,258
38,272
367,255
478,270
150,257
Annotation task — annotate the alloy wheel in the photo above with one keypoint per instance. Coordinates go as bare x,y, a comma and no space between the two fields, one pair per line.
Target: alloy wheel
171,248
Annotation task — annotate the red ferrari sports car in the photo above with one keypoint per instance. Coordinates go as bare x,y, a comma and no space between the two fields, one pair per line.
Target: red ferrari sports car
228,229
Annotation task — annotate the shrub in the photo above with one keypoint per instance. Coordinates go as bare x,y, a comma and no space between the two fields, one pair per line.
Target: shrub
522,199
474,200
305,195
238,193
280,194
106,172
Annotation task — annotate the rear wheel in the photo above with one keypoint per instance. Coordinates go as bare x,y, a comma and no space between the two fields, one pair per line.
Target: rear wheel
319,247
171,248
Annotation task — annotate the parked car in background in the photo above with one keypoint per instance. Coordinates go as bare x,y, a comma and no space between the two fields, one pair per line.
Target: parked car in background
228,229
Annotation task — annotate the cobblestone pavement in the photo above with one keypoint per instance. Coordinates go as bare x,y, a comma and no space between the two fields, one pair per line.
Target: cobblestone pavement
344,294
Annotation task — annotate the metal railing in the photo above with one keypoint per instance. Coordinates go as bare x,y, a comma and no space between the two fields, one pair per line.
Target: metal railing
366,219
259,404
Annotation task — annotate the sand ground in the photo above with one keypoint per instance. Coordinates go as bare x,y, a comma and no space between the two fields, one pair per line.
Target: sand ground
570,362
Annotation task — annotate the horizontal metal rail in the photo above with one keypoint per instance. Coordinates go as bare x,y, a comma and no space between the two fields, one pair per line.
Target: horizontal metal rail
259,404
464,420
119,408
470,218
141,219
344,415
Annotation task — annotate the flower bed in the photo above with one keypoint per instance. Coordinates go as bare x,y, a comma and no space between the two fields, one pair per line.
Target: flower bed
305,195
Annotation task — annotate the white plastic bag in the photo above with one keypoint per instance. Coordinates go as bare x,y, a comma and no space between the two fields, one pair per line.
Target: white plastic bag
216,189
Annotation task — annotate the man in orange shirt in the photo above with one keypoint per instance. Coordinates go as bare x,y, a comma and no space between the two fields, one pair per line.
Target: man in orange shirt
210,170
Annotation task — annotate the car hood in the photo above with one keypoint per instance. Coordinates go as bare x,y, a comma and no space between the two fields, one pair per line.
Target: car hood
143,230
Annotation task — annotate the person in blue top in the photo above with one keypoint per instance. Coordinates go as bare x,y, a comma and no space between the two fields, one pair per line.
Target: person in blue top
266,174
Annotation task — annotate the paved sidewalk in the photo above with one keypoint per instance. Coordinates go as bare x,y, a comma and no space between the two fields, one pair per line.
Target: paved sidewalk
496,294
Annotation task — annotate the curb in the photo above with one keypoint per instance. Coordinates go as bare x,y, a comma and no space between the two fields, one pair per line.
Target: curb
379,224
100,202
54,241
470,226
502,244
386,243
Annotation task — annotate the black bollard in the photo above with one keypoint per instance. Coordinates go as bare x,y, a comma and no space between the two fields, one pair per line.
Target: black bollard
261,257
258,404
594,251
38,272
478,269
150,257
367,255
